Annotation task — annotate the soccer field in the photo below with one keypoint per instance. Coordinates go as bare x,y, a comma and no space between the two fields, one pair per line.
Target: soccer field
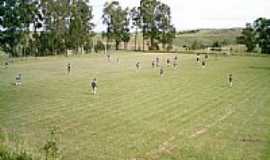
190,113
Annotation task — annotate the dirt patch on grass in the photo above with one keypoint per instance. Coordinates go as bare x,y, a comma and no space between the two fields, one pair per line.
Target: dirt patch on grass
199,132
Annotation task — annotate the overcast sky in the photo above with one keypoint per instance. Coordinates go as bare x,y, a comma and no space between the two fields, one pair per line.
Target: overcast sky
194,14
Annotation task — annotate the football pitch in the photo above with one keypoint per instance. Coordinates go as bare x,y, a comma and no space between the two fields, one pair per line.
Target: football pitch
190,113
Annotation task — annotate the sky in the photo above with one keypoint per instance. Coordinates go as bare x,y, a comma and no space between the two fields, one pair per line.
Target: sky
196,14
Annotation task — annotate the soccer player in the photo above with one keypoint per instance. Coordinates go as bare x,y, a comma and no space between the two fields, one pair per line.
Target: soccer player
6,64
157,62
94,86
168,62
153,64
174,64
161,72
138,65
109,58
175,58
206,56
68,68
230,80
203,64
19,79
198,57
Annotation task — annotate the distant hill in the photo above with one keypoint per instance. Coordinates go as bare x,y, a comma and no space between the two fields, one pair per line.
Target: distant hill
207,36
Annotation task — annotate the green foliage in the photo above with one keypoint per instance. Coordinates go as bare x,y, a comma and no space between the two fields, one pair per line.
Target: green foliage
156,22
136,22
7,155
257,34
196,45
216,44
117,22
16,17
64,25
80,25
51,148
188,32
167,31
262,29
248,38
99,46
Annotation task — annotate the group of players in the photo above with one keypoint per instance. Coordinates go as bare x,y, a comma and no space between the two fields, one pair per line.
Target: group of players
156,63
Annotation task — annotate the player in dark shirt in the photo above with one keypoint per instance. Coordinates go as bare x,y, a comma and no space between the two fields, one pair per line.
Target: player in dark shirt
161,72
203,64
206,56
230,80
94,86
6,64
138,65
68,68
168,62
198,58
153,64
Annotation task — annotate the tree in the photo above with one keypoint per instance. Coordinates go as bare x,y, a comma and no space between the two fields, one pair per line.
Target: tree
156,23
136,22
167,31
148,14
117,22
126,37
248,38
80,24
196,45
55,13
15,19
67,25
262,29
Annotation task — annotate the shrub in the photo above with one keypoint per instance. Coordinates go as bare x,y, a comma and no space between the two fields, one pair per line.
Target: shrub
99,46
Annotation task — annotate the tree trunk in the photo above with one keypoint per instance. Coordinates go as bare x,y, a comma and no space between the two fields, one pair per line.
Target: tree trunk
163,45
152,43
136,34
143,43
117,45
107,42
126,45
143,39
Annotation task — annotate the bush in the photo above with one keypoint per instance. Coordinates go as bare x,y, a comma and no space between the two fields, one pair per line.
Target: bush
216,45
197,45
154,46
7,155
99,46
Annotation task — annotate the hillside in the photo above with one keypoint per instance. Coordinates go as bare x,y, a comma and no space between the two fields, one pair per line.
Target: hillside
207,36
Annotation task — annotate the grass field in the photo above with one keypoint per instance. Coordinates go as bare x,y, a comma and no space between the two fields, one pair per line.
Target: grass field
189,114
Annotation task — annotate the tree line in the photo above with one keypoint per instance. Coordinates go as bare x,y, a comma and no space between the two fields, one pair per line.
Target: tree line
52,27
256,36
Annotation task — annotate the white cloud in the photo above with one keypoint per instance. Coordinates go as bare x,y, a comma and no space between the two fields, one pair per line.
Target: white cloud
191,14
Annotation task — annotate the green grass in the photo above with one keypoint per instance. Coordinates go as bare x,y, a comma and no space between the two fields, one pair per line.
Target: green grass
190,113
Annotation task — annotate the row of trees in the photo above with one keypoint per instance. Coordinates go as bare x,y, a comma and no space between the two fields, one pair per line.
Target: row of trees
44,27
152,18
50,27
256,35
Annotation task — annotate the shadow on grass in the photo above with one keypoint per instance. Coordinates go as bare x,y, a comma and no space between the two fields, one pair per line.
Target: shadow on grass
260,68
